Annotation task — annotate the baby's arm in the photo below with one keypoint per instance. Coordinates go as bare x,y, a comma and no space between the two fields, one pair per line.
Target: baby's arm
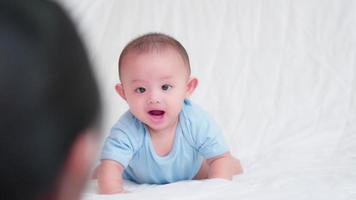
224,166
110,177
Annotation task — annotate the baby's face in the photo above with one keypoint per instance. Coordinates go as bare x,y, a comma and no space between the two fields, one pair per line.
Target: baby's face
155,85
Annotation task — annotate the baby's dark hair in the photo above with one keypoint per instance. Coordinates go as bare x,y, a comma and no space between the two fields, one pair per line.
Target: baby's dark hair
154,42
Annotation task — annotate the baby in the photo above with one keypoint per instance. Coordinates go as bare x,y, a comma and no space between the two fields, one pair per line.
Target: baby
164,137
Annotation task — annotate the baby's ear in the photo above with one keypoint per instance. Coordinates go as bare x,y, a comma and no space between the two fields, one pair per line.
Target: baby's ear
192,84
120,90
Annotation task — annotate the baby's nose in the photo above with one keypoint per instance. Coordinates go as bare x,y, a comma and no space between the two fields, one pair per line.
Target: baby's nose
151,101
154,98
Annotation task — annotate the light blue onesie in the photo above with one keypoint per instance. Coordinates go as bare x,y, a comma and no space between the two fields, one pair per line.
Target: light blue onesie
197,138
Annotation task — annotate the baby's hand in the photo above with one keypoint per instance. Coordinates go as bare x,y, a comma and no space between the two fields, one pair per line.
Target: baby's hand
120,191
110,179
125,191
224,166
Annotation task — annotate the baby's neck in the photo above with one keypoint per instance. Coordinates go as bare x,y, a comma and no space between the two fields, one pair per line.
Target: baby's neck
170,130
163,140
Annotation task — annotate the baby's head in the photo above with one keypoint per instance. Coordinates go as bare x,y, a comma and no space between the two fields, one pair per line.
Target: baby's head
155,79
154,42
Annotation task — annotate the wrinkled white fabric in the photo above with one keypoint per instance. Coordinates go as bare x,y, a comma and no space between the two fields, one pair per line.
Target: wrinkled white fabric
278,76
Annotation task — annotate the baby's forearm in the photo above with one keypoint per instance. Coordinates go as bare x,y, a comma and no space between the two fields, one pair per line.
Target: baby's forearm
110,177
225,166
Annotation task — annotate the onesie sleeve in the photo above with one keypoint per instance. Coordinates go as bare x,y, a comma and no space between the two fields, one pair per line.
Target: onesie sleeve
207,136
123,141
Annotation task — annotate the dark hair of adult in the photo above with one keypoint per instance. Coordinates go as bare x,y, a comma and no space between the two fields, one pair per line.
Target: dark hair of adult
48,95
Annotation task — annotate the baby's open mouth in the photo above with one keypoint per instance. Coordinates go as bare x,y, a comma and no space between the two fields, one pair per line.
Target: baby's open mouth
156,112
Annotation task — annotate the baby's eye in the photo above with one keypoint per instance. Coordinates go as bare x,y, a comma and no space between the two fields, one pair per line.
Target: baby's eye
140,90
166,87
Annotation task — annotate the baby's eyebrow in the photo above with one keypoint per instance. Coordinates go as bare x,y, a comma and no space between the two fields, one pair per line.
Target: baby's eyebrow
143,81
137,81
166,77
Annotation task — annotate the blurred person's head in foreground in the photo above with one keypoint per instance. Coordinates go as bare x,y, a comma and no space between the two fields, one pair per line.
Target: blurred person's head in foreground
49,103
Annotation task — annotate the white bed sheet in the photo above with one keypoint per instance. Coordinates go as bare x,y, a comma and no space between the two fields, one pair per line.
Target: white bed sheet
279,76
325,181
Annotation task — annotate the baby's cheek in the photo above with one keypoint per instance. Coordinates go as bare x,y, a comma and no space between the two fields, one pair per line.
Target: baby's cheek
178,106
139,114
136,109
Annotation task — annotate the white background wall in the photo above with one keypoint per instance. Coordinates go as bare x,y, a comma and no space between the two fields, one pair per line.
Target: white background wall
278,75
